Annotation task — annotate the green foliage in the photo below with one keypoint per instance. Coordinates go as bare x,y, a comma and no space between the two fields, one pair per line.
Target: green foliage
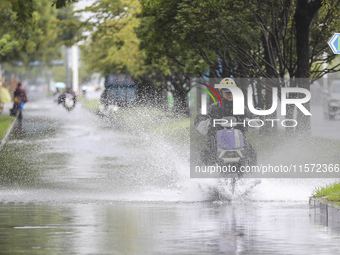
5,123
32,30
58,73
24,10
163,38
114,46
7,44
332,192
91,104
193,33
243,38
42,38
115,43
62,3
69,26
165,124
8,19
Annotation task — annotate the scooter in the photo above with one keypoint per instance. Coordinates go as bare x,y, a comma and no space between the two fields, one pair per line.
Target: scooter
17,109
230,145
68,100
228,150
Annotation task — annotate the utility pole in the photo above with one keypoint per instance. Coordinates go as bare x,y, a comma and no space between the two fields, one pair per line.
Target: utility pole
68,80
75,67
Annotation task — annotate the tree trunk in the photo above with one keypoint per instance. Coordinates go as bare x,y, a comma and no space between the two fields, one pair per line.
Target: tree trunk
290,109
270,63
304,15
181,105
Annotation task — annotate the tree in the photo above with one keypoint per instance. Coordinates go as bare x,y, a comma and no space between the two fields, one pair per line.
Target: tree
12,25
253,38
30,32
163,48
113,45
35,35
62,3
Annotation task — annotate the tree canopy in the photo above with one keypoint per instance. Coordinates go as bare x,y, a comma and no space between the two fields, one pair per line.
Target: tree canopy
33,30
252,38
113,44
166,42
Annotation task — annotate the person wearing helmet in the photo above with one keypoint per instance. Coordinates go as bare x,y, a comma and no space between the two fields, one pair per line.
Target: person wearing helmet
204,124
218,112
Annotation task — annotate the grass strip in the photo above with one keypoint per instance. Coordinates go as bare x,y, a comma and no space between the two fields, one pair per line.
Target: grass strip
91,104
148,119
5,123
156,121
328,193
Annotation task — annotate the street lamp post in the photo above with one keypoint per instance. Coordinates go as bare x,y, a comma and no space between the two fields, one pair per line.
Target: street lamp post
68,80
75,78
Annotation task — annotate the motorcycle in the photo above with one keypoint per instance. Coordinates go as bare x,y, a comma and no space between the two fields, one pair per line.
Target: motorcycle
228,150
17,109
68,100
230,145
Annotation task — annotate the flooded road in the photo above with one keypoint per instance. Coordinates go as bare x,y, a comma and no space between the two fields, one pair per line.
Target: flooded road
74,183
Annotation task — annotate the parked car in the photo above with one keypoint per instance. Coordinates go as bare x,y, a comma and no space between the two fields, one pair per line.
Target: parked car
331,105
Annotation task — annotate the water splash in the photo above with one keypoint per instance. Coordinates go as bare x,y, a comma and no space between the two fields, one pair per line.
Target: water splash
80,157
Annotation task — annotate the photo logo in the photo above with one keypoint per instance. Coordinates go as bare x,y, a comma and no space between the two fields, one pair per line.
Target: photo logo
238,100
213,90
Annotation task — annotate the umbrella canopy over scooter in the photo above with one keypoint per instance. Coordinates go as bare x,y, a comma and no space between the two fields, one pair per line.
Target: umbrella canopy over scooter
60,85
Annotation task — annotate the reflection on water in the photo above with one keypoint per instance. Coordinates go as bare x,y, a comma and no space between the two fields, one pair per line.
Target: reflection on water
73,184
163,228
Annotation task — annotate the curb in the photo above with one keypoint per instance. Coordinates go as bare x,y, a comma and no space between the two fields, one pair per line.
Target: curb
325,214
3,141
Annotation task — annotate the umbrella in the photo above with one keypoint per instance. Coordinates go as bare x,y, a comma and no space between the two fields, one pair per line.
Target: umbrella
60,85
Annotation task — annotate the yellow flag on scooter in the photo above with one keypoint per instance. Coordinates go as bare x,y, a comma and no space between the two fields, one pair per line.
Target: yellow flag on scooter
5,96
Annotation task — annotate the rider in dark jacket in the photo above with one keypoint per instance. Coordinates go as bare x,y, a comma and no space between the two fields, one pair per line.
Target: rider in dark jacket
218,112
19,99
69,91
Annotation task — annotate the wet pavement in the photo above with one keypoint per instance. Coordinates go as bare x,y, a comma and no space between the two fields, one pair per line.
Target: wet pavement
75,183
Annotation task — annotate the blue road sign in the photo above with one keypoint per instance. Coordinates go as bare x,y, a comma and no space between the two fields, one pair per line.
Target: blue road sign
334,43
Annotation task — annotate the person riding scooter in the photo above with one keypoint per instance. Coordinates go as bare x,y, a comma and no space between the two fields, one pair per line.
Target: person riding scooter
19,99
204,124
68,99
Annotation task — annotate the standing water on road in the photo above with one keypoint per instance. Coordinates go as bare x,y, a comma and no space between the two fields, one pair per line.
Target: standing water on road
75,183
